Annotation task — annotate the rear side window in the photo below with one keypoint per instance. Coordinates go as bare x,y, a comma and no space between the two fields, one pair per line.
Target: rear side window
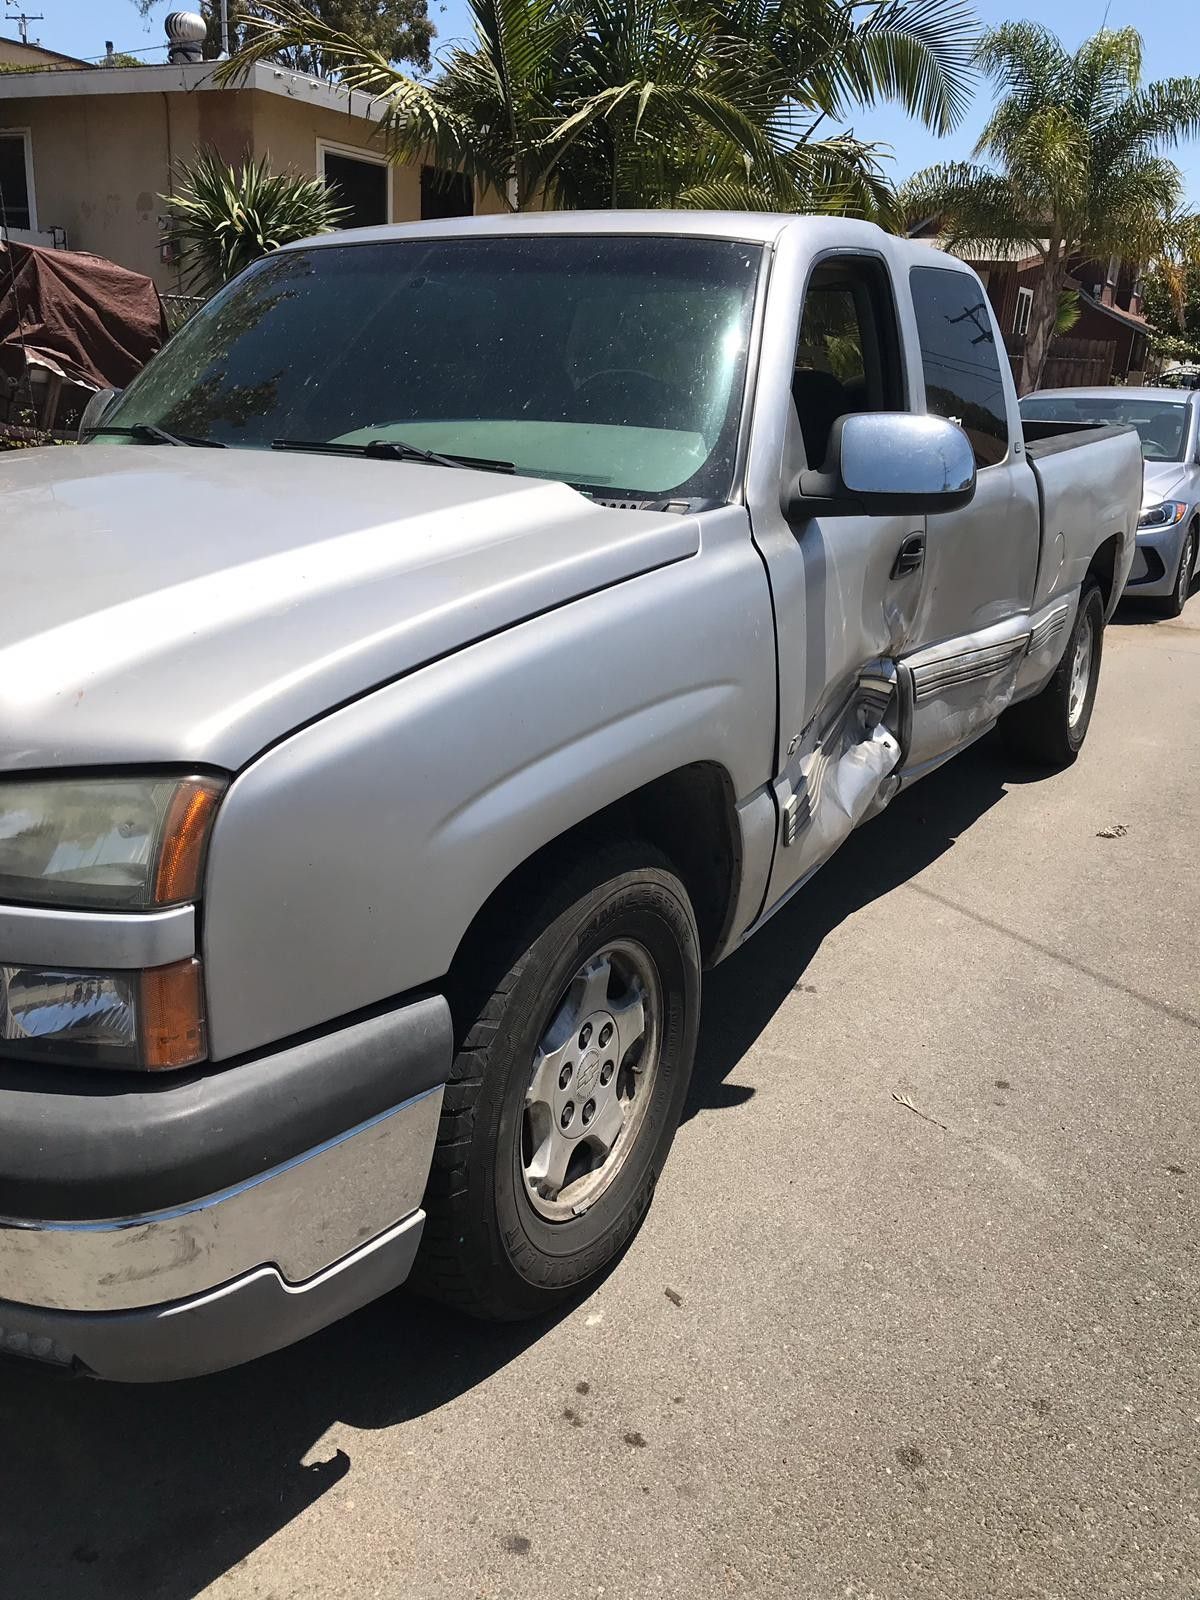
961,362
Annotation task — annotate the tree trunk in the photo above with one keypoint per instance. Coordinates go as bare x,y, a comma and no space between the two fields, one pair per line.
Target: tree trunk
1042,316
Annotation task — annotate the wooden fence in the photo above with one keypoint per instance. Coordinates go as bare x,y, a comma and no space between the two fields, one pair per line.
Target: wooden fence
1071,363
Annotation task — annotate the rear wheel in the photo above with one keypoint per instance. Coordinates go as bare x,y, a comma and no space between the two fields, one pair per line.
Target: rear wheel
1049,730
1174,603
566,1089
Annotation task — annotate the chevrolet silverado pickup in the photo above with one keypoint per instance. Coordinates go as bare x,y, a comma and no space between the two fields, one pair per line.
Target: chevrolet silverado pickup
455,640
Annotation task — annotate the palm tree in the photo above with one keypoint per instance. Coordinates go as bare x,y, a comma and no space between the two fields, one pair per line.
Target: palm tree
650,102
221,217
1078,144
1177,260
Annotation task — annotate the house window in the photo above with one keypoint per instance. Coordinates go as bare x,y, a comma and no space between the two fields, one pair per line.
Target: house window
445,194
16,179
362,183
1024,309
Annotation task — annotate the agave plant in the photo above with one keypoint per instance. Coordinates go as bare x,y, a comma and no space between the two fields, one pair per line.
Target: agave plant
657,102
223,217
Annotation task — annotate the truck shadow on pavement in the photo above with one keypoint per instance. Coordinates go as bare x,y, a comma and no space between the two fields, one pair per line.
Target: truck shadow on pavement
745,991
121,1491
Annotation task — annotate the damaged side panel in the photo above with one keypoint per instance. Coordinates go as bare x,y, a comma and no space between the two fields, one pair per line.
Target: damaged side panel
960,687
839,773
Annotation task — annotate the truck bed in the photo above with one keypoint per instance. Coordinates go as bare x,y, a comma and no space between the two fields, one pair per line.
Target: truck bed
1081,495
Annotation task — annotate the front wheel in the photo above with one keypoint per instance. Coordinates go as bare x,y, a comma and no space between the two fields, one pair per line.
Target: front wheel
566,1089
1174,603
1049,730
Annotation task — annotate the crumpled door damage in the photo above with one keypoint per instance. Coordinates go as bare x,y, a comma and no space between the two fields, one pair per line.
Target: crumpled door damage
848,776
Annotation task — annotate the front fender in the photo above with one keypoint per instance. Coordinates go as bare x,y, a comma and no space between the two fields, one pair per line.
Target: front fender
348,861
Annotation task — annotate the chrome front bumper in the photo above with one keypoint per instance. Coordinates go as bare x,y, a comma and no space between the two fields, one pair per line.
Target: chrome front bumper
200,1285
300,1217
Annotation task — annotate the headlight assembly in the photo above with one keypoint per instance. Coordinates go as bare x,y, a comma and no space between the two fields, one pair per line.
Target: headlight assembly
1163,515
88,843
149,1020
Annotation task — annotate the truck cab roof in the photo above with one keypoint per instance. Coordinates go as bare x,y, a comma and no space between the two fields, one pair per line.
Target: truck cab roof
753,227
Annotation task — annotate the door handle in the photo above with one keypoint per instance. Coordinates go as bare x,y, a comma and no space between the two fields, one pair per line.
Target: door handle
910,557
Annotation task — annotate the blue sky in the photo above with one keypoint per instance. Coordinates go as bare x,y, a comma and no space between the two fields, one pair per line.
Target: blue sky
80,27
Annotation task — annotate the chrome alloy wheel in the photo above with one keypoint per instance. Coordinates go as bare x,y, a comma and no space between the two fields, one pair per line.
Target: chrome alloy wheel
1081,672
592,1081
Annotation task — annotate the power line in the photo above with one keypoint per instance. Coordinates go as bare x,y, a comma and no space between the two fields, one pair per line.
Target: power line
140,50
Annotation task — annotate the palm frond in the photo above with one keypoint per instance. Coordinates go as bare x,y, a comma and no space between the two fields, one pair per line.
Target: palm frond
975,207
919,53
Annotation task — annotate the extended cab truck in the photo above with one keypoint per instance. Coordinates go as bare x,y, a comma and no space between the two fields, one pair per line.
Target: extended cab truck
376,787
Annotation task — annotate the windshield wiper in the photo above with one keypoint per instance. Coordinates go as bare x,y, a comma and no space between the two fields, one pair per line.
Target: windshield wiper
151,433
393,450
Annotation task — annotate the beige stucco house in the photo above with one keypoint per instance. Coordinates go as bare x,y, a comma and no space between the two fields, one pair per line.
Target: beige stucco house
28,53
87,152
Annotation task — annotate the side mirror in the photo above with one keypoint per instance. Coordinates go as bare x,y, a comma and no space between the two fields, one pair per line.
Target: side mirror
887,461
96,409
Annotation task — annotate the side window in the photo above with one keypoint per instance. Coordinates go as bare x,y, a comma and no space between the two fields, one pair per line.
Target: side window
847,354
958,353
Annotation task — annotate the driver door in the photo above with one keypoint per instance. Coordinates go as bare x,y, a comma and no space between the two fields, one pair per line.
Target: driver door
846,589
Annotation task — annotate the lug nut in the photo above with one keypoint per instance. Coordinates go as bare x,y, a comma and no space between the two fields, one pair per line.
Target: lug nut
564,1076
606,1033
607,1070
568,1111
589,1111
585,1033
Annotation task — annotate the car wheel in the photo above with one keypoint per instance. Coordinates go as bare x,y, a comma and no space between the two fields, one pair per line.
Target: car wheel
1049,729
1174,603
566,1090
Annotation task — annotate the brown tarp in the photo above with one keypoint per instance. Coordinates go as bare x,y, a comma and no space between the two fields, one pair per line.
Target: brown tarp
85,318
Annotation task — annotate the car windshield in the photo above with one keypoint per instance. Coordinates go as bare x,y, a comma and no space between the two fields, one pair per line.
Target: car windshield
613,363
1161,424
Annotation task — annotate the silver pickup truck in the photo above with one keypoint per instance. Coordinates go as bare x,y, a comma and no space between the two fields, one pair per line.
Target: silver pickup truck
459,637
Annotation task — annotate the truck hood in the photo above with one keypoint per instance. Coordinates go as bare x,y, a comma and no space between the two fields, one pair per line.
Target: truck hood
168,604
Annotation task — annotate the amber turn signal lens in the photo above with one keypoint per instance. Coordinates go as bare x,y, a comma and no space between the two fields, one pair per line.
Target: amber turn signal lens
185,834
172,1016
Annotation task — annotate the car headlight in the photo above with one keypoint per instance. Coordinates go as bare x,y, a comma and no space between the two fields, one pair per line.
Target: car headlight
150,1020
1163,515
104,843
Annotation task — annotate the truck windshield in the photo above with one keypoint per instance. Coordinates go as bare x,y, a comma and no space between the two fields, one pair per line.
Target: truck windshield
613,363
1161,424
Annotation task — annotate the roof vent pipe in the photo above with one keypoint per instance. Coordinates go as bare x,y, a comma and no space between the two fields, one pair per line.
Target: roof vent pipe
186,33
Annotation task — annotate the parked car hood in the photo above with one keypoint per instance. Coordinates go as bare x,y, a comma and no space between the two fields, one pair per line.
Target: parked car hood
1160,479
171,604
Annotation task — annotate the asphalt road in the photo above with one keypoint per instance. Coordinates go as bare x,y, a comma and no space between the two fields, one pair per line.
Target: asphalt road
865,1346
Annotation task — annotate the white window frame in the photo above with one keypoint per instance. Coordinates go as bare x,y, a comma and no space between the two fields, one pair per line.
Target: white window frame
26,134
1023,312
370,158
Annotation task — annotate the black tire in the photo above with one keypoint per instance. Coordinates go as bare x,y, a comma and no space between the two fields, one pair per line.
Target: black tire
486,1250
1172,605
1041,730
